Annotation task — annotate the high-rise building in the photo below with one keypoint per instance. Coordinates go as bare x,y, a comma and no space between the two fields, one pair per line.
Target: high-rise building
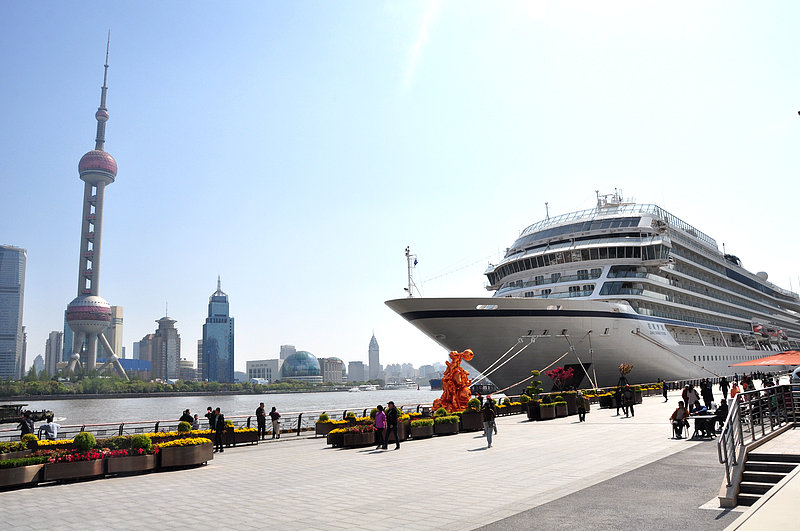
355,372
187,371
38,363
218,339
162,350
374,359
263,370
287,350
136,350
89,315
114,332
331,369
12,291
52,351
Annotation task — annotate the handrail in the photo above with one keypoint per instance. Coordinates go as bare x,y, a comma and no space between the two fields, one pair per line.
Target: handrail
751,409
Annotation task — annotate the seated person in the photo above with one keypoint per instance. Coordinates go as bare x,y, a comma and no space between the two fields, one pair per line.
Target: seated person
679,420
50,429
721,414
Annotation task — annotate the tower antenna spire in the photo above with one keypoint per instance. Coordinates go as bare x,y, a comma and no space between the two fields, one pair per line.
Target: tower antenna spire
102,112
219,283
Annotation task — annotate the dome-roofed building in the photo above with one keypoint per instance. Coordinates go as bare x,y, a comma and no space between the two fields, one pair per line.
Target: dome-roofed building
302,366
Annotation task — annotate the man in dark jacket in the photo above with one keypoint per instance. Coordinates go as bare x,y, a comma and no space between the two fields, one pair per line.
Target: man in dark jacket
628,399
391,425
210,415
219,422
261,417
187,417
487,414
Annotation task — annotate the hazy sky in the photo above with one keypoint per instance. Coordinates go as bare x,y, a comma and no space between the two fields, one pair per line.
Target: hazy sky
296,148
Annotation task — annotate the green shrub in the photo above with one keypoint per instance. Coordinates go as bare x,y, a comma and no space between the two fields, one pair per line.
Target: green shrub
30,440
24,461
546,399
447,419
421,422
506,401
141,441
323,418
350,415
558,398
373,413
116,443
184,426
84,441
524,399
558,403
441,412
6,447
473,405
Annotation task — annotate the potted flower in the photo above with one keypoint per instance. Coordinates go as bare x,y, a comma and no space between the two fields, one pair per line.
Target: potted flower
471,419
571,398
139,456
350,418
189,451
323,425
547,410
606,400
561,406
335,437
637,393
421,428
245,436
445,425
531,407
359,435
15,450
84,462
20,471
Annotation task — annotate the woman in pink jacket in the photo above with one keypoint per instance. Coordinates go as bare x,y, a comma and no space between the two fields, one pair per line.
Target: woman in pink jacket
380,424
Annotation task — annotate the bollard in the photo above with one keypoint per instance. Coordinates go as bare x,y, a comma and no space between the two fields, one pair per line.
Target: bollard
365,413
155,430
120,429
248,421
299,423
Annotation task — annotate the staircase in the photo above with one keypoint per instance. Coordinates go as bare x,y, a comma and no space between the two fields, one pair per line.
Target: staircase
761,473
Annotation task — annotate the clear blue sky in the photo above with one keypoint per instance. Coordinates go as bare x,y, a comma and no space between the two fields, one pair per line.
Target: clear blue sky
296,148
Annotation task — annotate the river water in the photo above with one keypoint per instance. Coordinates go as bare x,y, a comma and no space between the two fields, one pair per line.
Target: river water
116,410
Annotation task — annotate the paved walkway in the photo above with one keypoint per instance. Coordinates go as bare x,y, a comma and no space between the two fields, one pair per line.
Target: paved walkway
441,483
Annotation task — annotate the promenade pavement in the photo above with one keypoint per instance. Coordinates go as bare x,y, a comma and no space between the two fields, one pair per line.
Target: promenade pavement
450,482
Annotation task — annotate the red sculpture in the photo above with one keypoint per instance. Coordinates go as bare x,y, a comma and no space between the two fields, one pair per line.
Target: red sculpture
455,384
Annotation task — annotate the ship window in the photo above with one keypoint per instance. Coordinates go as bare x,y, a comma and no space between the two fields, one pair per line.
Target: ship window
564,332
606,332
596,272
584,254
583,274
545,332
554,277
593,254
538,279
637,252
574,289
546,292
603,253
588,287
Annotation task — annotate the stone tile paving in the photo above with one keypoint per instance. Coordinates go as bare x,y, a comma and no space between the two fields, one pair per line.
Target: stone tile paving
299,483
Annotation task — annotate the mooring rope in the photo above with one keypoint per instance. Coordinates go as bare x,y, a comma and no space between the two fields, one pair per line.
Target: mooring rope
531,376
485,375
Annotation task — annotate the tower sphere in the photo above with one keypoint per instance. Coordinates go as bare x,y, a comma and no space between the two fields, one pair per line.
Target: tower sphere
89,314
101,115
98,161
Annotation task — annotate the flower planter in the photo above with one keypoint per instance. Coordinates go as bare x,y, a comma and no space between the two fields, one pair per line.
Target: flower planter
445,429
514,409
75,470
421,432
15,455
562,410
547,412
131,464
335,439
322,428
572,403
471,422
355,440
245,437
532,410
638,399
173,456
21,475
403,428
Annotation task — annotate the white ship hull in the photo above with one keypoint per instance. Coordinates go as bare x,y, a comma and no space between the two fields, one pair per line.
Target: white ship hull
597,334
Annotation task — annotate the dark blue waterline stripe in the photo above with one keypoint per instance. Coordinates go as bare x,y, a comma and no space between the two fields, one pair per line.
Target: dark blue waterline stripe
456,314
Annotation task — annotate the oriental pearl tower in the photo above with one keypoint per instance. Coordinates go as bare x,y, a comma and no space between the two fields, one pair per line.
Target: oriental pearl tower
88,315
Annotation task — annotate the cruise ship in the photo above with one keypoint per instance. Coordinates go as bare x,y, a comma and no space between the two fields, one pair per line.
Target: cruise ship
620,283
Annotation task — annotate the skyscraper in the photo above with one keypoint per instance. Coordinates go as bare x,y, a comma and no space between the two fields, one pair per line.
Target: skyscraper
218,339
12,291
374,359
52,351
286,351
88,315
162,350
114,332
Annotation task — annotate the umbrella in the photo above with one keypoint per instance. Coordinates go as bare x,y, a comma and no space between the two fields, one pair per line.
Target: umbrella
790,357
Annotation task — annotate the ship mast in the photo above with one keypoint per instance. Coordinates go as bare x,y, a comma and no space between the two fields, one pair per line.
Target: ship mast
411,260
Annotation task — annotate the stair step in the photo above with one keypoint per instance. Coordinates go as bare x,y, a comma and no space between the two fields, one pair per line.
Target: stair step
769,466
775,458
762,477
748,487
747,499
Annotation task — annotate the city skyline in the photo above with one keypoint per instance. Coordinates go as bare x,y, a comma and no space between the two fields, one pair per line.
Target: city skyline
299,152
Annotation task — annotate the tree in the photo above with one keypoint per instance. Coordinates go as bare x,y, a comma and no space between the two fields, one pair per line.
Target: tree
560,376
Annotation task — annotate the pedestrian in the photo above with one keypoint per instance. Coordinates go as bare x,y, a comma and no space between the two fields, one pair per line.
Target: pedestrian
50,429
211,420
26,425
391,426
196,422
734,390
487,413
618,399
694,398
664,389
186,417
219,424
380,426
679,420
261,418
628,399
724,386
276,423
580,400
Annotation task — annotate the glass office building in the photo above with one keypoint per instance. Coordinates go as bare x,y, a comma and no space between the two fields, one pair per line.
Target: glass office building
217,362
12,290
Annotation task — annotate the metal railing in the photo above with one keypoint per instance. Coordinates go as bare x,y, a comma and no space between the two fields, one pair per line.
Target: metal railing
753,416
291,422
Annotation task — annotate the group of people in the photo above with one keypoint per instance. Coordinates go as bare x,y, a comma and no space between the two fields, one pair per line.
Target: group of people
626,398
48,430
386,423
261,417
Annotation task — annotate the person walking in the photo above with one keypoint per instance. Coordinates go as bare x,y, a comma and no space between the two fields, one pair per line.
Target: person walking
628,399
391,426
487,413
26,425
618,400
579,399
219,424
276,423
724,386
380,426
707,393
664,389
210,415
261,418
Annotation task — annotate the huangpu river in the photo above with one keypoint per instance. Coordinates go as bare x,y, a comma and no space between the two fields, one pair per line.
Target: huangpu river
102,410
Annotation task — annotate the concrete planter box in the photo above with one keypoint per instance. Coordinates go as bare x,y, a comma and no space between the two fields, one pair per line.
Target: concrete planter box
606,402
403,429
19,476
562,410
335,439
638,399
131,464
471,422
356,440
445,429
547,412
173,456
322,428
572,403
76,470
245,437
421,432
532,410
15,455
514,409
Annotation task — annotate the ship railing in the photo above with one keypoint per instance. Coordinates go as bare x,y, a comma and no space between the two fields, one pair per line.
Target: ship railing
753,416
296,422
